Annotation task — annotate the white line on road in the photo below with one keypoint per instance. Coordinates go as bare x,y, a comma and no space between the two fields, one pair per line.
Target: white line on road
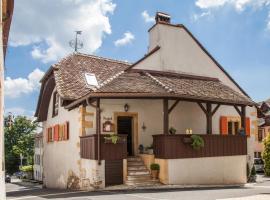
47,195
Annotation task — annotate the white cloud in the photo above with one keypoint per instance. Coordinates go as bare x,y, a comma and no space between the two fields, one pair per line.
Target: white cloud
196,17
147,18
127,38
239,5
49,25
16,87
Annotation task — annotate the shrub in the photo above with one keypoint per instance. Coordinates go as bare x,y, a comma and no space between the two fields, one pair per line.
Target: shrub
154,166
266,155
27,168
197,142
172,130
113,138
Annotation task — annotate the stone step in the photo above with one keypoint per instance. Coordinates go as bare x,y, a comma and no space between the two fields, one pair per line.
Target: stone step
144,177
134,159
138,172
136,168
151,182
137,163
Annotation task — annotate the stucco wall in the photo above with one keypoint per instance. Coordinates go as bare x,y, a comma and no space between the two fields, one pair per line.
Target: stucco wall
62,164
212,171
180,53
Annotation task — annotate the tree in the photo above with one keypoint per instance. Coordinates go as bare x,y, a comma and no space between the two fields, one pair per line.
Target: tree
19,139
266,155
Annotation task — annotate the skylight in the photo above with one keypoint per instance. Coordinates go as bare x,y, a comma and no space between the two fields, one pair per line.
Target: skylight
91,79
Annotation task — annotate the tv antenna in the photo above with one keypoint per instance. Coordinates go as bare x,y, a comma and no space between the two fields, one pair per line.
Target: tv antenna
76,43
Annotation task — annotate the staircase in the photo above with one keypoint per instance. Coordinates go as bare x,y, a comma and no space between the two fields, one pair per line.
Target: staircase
138,174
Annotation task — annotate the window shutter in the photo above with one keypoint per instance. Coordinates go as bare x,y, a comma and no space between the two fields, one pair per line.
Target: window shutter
248,126
66,131
56,132
48,134
223,125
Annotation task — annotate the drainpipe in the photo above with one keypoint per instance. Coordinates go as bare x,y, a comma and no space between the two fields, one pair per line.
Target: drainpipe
98,129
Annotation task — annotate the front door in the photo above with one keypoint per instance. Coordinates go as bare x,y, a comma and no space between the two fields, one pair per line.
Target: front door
124,126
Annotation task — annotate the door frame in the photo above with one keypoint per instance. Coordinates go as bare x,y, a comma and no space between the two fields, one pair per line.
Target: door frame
135,138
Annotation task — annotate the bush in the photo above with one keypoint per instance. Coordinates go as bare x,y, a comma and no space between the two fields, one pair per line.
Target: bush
266,155
154,166
27,168
197,142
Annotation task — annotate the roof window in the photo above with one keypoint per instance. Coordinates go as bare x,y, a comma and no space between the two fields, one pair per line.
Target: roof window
91,79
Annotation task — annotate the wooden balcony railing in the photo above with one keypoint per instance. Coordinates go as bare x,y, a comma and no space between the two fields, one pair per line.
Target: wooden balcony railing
108,150
174,147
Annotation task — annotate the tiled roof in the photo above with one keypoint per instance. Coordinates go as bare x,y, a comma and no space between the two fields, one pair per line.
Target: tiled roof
115,80
70,78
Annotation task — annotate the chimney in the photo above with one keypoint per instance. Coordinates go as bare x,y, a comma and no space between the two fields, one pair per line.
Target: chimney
163,17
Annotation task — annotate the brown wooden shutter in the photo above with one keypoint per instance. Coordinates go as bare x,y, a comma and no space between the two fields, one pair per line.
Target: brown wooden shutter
248,126
223,125
56,132
66,131
48,134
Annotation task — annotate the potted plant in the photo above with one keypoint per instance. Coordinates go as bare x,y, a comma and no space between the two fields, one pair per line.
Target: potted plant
150,149
197,142
154,170
113,138
172,131
141,148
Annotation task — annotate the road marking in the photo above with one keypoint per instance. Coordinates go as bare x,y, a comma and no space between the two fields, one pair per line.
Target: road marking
48,195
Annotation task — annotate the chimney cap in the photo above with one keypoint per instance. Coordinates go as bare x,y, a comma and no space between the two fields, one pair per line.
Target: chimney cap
163,17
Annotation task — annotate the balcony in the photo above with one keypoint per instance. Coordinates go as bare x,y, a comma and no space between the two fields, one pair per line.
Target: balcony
176,147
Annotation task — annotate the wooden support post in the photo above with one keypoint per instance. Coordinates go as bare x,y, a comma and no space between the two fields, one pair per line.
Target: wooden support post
243,118
165,116
209,117
173,106
98,129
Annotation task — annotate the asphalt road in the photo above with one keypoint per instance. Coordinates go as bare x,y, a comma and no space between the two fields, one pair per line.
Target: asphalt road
258,191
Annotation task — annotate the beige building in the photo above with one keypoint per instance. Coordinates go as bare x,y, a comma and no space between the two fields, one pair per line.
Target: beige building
84,99
38,157
6,16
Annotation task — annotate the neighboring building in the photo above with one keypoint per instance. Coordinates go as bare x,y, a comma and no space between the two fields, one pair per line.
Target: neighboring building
264,127
176,84
38,167
6,16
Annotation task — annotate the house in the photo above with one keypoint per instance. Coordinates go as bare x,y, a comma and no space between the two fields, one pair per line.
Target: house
178,84
38,167
263,127
6,7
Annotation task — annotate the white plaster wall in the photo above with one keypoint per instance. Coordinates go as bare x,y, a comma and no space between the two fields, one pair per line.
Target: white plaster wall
180,53
212,171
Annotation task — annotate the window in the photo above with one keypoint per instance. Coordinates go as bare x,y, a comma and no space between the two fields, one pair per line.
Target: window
233,128
55,104
50,134
260,135
91,79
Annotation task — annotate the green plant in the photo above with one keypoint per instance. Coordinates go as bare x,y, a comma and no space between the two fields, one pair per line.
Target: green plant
113,137
26,168
197,142
172,130
253,171
154,166
248,170
266,155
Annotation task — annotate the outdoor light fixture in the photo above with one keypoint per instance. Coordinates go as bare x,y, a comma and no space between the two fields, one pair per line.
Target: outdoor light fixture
126,107
143,127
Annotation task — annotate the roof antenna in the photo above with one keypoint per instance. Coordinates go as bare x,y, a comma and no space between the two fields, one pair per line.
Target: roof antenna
76,43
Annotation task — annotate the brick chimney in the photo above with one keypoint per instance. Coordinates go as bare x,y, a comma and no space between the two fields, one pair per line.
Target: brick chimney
163,17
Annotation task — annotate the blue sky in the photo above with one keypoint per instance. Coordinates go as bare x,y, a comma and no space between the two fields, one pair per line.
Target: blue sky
236,33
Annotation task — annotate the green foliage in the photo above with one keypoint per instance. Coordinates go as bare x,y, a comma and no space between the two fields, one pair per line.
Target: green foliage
113,137
172,130
197,142
154,166
253,171
27,168
19,139
248,170
266,155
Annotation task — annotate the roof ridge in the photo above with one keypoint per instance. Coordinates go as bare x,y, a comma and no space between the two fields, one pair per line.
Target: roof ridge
107,81
103,58
168,89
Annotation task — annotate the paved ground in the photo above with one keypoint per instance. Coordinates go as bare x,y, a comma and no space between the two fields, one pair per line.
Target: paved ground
258,191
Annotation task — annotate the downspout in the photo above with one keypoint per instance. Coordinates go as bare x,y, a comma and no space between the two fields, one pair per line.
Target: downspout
98,129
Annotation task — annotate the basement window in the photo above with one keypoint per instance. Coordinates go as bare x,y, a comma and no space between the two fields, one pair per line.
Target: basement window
91,79
55,104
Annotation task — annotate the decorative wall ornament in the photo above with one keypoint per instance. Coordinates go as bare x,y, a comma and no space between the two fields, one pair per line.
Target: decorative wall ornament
108,126
126,107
